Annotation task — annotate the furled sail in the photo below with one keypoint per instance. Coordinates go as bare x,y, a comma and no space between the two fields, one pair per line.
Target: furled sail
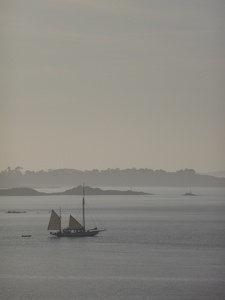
54,222
74,224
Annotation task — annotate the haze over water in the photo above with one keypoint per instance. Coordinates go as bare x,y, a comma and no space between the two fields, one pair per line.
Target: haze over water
162,246
113,84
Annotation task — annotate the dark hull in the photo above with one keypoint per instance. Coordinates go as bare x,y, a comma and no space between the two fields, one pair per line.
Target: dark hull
75,234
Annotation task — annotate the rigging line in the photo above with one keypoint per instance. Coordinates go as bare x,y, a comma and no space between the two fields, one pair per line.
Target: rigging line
78,213
93,219
91,216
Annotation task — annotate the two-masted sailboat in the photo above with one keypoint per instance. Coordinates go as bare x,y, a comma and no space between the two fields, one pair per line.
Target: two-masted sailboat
75,228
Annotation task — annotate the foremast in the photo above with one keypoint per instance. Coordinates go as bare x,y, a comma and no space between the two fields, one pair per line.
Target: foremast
60,220
83,207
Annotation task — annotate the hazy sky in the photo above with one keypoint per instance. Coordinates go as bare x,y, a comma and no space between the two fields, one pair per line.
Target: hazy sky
113,84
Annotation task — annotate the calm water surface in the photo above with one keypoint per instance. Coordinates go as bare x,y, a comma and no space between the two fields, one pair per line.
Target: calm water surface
164,246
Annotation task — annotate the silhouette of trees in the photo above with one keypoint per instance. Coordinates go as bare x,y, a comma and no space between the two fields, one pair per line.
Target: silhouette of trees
109,177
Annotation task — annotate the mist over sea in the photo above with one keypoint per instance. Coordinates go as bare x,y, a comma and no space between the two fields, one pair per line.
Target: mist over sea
162,246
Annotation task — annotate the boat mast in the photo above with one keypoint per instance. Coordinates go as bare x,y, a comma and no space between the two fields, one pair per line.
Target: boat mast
83,208
60,217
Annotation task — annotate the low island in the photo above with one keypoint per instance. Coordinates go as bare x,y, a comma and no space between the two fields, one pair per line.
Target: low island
74,191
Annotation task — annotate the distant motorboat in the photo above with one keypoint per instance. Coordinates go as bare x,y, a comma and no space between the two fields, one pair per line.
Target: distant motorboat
75,228
26,235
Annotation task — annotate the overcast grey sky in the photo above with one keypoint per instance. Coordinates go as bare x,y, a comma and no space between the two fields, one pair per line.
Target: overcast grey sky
104,84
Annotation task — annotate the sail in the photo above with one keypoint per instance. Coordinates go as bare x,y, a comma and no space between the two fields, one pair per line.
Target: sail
54,222
74,224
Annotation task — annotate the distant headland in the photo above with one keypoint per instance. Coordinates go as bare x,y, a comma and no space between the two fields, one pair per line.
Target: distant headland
74,191
188,178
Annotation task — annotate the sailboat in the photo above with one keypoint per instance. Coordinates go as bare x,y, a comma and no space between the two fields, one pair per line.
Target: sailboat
189,194
75,228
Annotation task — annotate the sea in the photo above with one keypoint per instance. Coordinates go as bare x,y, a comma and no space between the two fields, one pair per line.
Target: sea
162,246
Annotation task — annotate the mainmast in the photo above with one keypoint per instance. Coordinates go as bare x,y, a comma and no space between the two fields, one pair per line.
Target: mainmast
83,208
60,219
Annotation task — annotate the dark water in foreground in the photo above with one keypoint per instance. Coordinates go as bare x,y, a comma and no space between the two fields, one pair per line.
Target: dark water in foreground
165,246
